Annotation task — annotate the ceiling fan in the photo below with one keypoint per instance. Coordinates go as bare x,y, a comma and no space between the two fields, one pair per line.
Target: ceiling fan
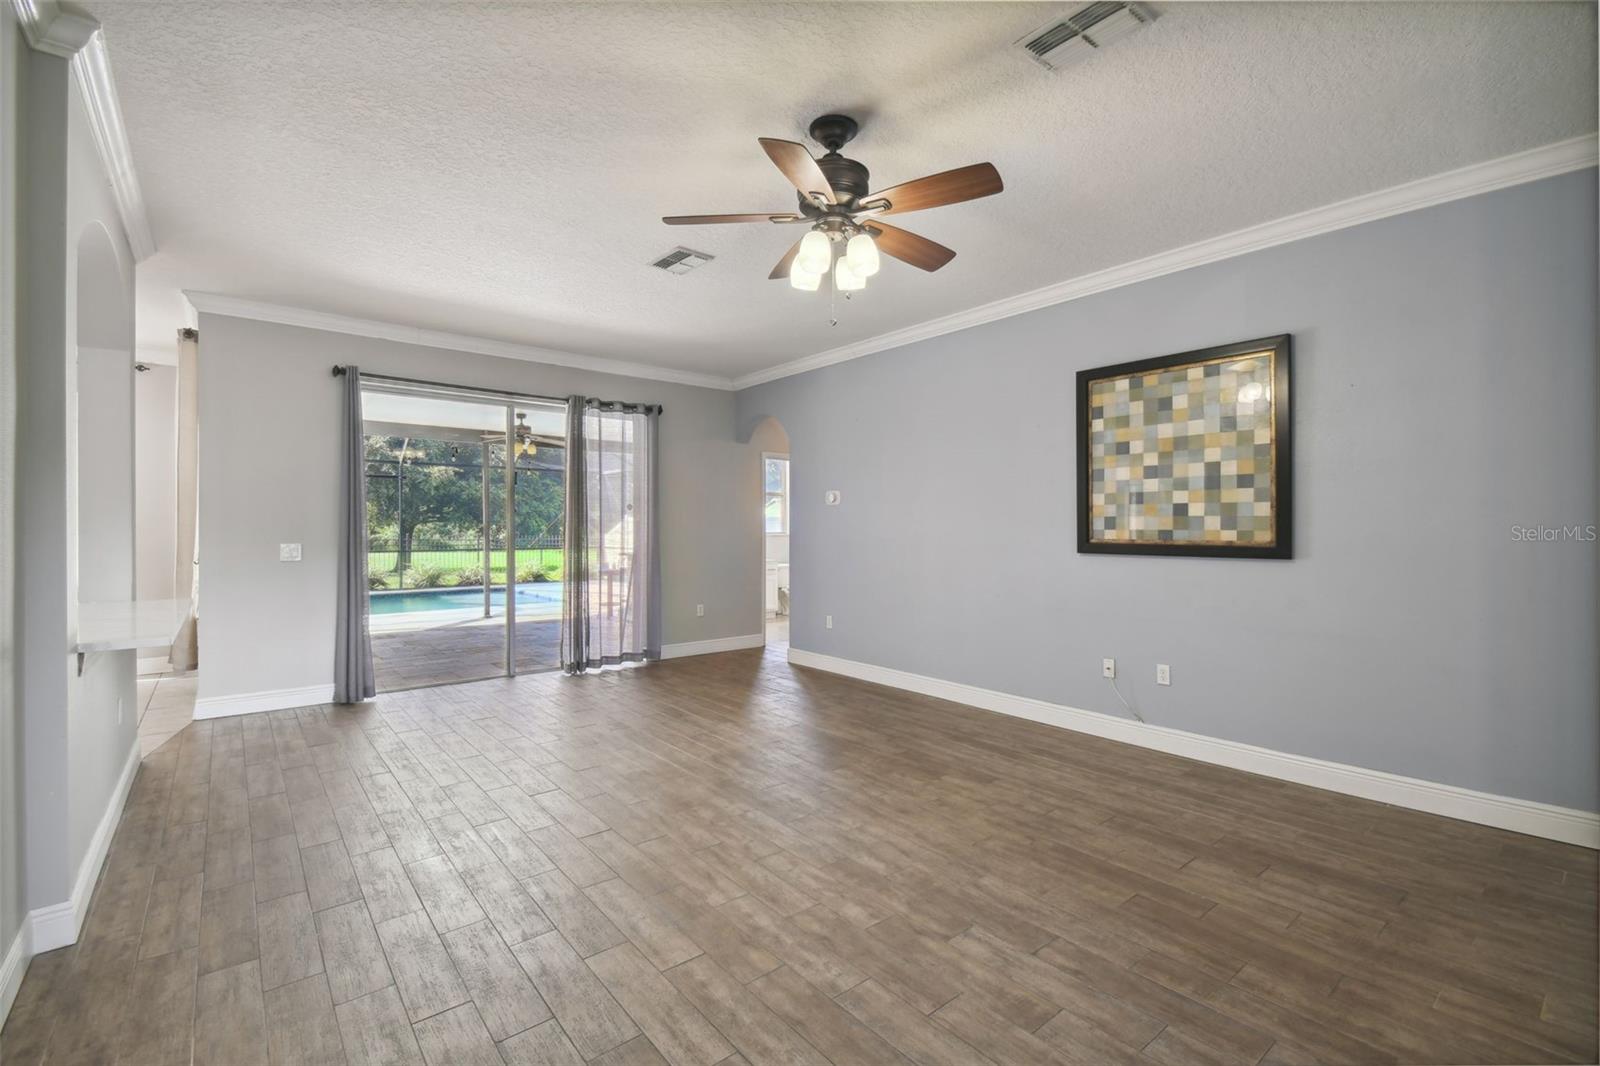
835,203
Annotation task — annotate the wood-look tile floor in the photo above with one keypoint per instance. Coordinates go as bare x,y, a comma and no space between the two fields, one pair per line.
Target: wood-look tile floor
727,859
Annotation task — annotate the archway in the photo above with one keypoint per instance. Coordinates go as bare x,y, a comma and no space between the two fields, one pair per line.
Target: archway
770,441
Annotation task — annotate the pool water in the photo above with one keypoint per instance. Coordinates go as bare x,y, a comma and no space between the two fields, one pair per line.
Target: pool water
533,594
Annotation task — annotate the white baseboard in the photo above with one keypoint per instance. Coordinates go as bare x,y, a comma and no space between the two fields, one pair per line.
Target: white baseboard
1504,812
256,702
157,665
709,647
58,925
13,967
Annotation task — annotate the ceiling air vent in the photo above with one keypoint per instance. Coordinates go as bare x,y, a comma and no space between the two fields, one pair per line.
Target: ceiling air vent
682,260
1075,36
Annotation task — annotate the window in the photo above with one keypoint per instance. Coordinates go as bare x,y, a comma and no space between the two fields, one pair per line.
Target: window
775,485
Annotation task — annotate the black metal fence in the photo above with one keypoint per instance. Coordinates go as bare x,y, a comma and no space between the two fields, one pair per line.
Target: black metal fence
442,562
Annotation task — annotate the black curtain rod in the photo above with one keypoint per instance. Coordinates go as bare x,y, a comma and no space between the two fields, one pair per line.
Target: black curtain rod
339,372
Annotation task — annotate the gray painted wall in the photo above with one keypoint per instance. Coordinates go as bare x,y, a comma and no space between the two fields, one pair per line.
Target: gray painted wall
155,426
1445,389
269,426
11,856
73,745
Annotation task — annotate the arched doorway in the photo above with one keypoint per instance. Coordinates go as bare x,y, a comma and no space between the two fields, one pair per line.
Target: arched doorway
771,441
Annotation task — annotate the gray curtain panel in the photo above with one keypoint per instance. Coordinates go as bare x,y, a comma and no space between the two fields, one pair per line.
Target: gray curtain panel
611,599
352,643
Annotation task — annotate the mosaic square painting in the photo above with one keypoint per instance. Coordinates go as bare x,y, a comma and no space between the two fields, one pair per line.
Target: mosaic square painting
1187,454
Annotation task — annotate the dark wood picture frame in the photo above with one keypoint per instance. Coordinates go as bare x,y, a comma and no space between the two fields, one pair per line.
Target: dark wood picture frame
1282,546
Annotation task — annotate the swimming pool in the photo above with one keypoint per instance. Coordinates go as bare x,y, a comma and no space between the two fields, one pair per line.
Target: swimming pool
537,594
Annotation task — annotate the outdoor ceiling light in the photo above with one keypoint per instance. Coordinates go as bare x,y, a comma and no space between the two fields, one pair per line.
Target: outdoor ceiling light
524,437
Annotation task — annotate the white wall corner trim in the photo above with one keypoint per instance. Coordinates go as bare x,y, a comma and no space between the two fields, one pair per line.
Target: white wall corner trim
14,965
1503,812
236,307
1531,165
711,647
257,702
78,38
58,925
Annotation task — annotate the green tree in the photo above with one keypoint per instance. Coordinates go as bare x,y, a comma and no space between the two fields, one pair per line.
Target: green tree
422,485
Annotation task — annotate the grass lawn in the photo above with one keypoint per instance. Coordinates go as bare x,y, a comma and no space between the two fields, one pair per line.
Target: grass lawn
381,564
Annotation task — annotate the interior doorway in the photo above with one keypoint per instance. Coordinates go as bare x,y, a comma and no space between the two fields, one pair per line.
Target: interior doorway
465,549
775,521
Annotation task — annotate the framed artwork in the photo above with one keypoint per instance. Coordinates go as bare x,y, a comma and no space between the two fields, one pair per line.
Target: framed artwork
1188,454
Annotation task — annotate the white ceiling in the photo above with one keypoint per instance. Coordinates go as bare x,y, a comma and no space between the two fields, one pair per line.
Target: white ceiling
500,170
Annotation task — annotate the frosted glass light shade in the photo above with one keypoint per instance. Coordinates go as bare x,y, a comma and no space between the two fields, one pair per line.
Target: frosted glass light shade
804,280
845,279
863,255
815,255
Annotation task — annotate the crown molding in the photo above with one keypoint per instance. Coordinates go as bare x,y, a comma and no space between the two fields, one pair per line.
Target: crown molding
78,39
1544,162
53,31
236,307
92,68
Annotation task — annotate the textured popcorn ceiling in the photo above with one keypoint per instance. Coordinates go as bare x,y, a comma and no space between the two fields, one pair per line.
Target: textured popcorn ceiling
500,170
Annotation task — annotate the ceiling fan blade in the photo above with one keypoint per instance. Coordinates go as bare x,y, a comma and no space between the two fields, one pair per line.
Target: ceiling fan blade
908,247
936,190
709,220
797,165
782,269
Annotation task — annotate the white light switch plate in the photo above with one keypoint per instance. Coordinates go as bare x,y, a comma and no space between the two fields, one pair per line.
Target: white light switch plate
288,553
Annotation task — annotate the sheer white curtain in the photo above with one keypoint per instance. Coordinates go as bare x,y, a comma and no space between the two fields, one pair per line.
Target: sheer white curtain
611,601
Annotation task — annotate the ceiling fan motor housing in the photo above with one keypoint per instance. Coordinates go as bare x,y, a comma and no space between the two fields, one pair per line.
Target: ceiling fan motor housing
849,178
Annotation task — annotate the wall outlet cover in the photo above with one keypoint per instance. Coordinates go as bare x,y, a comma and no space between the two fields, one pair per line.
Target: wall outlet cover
288,553
1163,674
1108,668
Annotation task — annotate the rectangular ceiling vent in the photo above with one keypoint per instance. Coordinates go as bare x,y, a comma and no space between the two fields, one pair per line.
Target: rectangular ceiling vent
1078,34
682,260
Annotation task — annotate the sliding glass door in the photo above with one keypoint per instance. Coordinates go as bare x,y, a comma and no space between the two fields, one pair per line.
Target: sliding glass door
465,548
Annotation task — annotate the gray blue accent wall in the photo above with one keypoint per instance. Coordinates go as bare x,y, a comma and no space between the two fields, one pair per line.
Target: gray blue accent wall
1445,395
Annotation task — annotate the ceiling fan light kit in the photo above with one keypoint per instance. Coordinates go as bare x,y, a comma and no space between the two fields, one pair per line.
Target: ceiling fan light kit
832,193
845,279
805,280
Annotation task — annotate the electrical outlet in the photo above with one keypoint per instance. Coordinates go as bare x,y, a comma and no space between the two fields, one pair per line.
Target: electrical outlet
1163,674
827,621
699,610
288,553
1108,668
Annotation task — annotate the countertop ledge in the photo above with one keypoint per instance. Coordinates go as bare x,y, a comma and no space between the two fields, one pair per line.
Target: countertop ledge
120,626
